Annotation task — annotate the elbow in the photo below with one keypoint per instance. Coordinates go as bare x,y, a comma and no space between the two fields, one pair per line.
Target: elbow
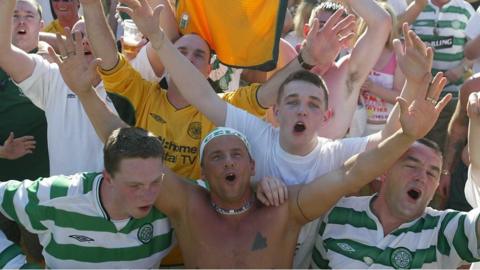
383,22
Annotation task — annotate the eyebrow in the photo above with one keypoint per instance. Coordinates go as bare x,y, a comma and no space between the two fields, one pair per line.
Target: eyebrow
410,158
296,95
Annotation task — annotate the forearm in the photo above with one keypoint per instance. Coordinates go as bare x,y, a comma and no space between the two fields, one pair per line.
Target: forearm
472,49
389,95
100,36
369,11
103,119
411,14
474,143
267,94
49,38
167,19
454,144
368,48
356,172
2,152
111,18
6,13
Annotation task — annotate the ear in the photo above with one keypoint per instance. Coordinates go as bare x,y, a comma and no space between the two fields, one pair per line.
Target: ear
252,166
42,24
328,115
275,110
107,177
306,28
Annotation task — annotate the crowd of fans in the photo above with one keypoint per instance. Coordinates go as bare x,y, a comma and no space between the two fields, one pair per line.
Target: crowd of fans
351,145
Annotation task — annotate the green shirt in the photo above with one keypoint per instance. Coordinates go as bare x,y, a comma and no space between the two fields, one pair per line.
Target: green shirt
18,114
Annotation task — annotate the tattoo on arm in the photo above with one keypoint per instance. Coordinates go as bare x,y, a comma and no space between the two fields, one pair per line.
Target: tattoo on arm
260,242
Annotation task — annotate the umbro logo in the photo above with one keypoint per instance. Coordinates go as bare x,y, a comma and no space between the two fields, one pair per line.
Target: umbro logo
71,96
158,118
81,238
346,247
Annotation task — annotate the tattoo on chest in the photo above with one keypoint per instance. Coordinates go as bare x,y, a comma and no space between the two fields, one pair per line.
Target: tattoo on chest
260,242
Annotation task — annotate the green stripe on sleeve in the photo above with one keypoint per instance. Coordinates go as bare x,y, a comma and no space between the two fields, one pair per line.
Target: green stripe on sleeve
8,196
318,259
32,208
8,254
88,180
460,241
59,187
438,56
343,216
425,223
442,244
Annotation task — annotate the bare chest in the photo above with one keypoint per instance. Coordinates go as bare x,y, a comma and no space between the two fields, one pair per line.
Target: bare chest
261,240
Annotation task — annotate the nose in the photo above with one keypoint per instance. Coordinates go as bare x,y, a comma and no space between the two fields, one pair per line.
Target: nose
229,161
301,110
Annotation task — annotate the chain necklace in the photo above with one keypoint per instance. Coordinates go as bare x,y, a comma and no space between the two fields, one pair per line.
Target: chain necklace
232,212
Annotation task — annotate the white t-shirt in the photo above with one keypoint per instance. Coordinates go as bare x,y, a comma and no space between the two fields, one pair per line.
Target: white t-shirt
73,145
472,194
272,160
473,30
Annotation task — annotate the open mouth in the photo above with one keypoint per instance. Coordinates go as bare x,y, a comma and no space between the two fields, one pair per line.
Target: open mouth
230,177
87,53
414,193
299,127
22,32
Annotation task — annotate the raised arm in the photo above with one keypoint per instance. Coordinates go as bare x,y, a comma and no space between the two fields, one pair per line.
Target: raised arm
100,36
416,120
79,76
13,60
368,48
456,137
320,48
415,60
473,110
472,48
412,12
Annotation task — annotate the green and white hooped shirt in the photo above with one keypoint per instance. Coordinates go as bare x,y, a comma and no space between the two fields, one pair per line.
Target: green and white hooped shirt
67,214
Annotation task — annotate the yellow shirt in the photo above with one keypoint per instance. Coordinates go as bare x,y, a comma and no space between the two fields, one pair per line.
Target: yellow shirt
180,130
54,27
246,36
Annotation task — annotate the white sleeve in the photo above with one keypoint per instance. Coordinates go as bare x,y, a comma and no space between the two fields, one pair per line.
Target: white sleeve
42,86
251,126
472,187
11,256
473,26
143,66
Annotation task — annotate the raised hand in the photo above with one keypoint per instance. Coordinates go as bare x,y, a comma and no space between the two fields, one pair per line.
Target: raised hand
419,117
414,58
77,73
473,106
146,18
323,43
271,191
18,147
